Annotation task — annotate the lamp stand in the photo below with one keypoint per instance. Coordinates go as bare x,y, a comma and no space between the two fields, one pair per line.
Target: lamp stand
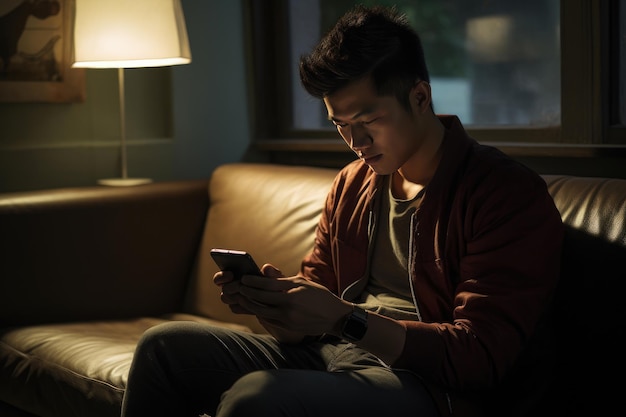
124,181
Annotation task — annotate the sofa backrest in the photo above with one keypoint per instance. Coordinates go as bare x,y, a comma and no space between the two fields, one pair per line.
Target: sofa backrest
270,211
593,271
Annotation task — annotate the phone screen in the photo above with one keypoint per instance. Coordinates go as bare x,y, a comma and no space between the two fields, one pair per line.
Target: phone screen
236,261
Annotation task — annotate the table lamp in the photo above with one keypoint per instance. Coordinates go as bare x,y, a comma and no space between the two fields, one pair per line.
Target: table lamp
128,34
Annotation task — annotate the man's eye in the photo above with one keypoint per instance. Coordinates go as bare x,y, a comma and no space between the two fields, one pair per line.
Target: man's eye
340,124
369,122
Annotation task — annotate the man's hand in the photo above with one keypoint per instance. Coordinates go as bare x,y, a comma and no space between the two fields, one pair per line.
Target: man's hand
289,308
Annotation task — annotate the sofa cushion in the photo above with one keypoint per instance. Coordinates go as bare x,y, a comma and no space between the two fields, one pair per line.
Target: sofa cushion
69,369
276,225
73,369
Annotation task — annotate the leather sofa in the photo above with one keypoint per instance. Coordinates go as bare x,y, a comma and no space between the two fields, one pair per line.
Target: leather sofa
85,271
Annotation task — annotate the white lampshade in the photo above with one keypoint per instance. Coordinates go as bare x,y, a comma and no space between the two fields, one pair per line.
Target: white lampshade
129,34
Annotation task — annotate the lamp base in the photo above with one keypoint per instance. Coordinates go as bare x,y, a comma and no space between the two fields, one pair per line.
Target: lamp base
124,182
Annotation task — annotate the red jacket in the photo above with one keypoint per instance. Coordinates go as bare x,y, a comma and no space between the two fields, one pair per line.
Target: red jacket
486,256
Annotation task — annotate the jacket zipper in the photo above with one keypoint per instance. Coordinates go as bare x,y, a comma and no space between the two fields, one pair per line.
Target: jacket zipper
410,268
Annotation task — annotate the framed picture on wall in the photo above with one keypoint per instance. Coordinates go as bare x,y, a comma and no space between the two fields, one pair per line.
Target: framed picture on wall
35,53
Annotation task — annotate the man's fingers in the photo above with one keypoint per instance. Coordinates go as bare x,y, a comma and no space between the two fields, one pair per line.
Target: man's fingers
271,271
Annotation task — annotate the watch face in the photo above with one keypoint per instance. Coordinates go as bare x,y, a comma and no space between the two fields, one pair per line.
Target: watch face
354,330
355,326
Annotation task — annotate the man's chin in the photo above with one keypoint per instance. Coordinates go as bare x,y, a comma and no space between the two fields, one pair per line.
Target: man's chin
380,170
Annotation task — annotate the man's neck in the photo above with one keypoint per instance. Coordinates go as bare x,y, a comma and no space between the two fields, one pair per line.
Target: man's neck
417,172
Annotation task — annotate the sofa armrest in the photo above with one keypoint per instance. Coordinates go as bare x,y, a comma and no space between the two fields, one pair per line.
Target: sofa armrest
98,252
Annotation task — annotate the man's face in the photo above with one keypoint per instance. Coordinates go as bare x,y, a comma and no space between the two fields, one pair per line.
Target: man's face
378,129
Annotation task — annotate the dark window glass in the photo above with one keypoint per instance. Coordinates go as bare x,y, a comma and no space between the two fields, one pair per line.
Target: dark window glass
621,80
493,63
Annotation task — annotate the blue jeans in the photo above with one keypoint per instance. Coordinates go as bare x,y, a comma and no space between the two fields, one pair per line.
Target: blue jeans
191,369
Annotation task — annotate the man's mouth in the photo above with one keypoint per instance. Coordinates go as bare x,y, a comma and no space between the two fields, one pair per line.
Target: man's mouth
371,159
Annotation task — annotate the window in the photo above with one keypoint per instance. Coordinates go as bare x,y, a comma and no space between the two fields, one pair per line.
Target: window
537,76
491,63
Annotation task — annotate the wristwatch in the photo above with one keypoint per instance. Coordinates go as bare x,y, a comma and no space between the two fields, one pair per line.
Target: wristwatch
355,325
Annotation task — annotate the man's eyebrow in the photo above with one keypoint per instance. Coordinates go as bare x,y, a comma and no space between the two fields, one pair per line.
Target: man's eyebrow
363,112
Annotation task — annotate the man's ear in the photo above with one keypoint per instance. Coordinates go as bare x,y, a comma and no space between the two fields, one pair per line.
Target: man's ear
421,95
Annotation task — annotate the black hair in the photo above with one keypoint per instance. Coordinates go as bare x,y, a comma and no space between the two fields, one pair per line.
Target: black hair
366,41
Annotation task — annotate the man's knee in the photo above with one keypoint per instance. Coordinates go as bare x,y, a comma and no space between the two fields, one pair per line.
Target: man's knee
166,341
256,393
156,337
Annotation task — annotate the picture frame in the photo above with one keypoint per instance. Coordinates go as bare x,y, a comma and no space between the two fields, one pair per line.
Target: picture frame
35,63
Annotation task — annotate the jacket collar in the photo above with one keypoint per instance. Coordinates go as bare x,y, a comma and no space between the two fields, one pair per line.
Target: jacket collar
456,144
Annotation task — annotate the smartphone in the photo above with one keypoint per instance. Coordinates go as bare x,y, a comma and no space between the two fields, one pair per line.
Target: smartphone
236,261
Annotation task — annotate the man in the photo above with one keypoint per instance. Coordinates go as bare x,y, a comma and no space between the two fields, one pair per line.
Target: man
429,284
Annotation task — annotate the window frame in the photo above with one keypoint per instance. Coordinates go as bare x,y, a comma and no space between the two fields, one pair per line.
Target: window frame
586,129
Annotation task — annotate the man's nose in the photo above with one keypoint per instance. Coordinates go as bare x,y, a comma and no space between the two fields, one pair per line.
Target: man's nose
359,137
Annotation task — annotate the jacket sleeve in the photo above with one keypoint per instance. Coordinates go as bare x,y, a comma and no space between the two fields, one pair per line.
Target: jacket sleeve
318,264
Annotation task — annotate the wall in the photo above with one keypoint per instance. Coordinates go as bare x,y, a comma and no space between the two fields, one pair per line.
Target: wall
211,114
181,121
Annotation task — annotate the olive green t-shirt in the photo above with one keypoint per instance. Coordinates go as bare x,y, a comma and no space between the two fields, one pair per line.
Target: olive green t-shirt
388,290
